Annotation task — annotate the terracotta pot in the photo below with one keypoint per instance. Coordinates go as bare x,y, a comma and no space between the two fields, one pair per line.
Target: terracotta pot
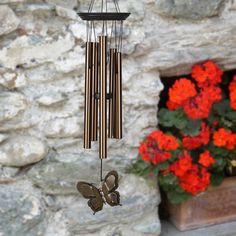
215,206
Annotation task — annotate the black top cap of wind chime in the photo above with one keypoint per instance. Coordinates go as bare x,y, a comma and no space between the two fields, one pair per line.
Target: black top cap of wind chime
104,16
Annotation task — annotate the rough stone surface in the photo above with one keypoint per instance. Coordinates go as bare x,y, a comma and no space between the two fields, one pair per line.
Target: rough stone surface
42,102
233,6
62,128
66,4
22,212
34,50
138,197
66,13
59,174
11,104
180,44
8,175
195,9
21,151
9,21
51,99
3,137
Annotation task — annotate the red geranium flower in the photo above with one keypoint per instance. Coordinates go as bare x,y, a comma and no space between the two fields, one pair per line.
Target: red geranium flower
180,167
212,92
192,178
195,180
156,147
206,159
207,74
200,106
182,90
232,93
196,141
224,138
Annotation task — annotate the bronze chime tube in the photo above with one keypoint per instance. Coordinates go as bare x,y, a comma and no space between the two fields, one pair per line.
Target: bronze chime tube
103,97
87,103
94,90
118,95
112,73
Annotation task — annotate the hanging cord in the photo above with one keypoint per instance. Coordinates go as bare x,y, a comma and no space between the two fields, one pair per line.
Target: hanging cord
120,37
102,6
115,34
116,6
112,29
90,30
106,21
87,31
94,32
91,6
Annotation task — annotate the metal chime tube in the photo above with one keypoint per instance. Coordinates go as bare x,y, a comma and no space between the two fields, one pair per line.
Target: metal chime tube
87,103
112,112
118,95
103,98
94,89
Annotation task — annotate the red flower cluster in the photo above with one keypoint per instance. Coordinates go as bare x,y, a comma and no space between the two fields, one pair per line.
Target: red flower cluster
207,74
201,139
224,138
197,105
192,178
206,159
232,93
182,90
192,169
156,147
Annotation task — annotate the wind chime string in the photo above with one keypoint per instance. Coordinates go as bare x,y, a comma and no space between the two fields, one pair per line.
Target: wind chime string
116,6
106,21
115,34
120,37
94,32
111,35
87,31
91,6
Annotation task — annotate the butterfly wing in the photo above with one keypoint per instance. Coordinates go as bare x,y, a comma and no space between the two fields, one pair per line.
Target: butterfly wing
90,192
109,186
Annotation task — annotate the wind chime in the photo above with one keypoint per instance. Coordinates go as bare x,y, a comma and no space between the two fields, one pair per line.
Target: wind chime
103,100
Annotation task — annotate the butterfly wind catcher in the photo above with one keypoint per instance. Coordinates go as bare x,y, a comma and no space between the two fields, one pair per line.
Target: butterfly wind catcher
103,98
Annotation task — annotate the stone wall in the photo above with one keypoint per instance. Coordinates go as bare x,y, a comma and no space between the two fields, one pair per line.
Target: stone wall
41,107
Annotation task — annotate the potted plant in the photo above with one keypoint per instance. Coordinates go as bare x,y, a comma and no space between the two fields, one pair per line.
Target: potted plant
194,148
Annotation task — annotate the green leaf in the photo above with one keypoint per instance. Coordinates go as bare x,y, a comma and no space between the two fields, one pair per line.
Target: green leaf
231,115
216,179
175,154
166,117
221,108
177,196
219,165
192,128
219,152
162,165
168,181
180,119
226,122
175,118
140,167
211,118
